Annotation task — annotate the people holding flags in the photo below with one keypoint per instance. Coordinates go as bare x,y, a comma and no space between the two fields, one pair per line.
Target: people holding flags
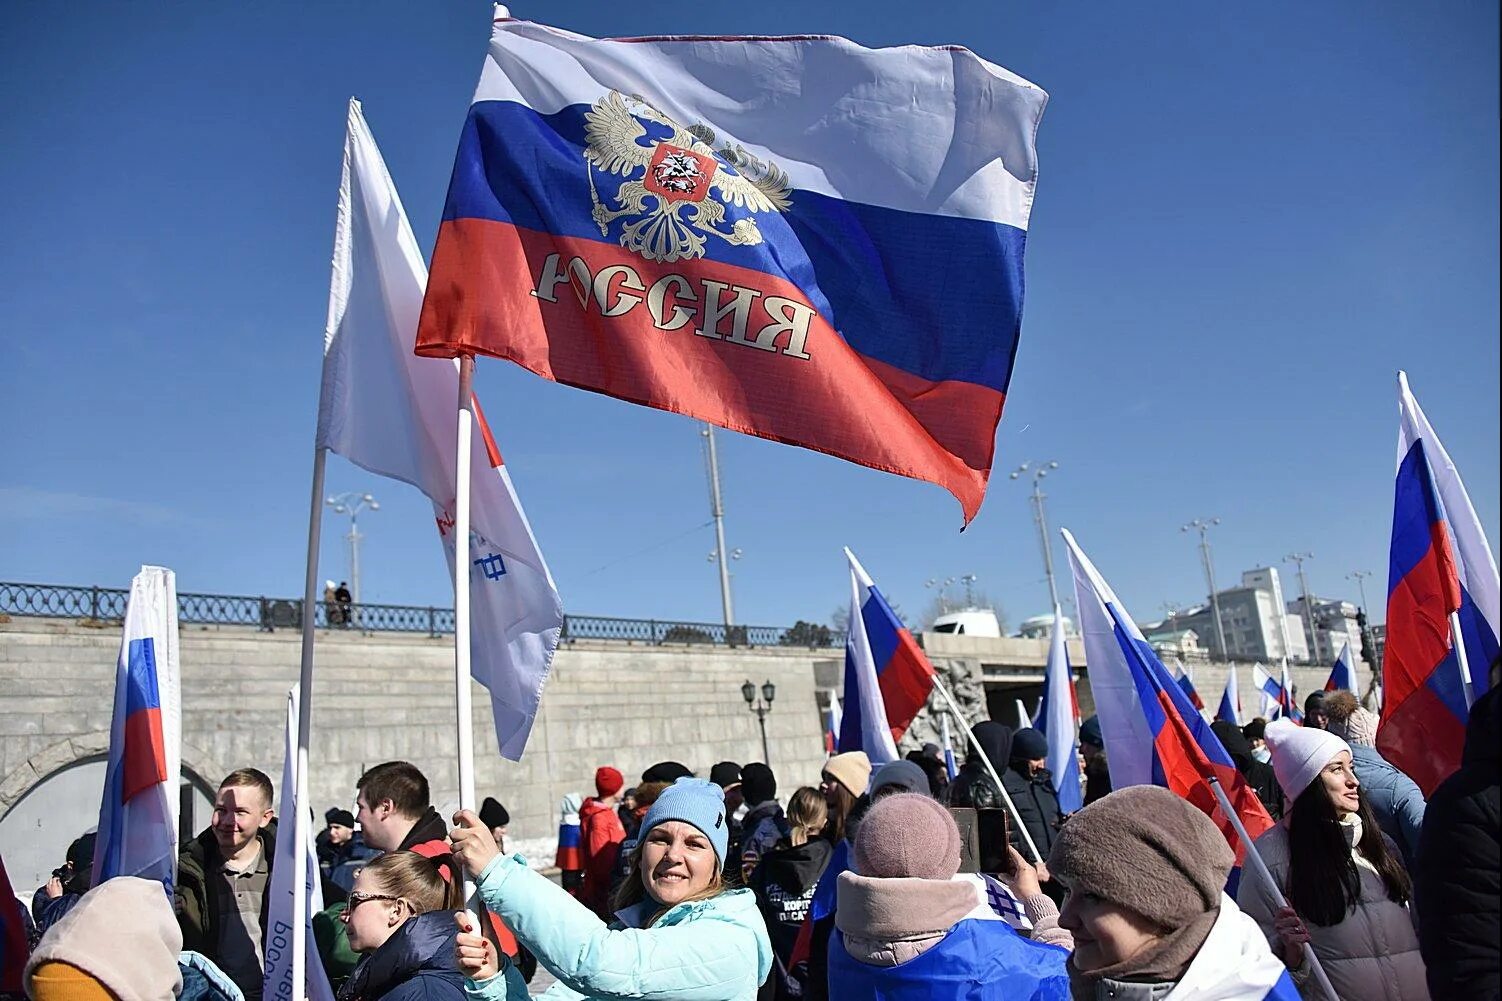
1348,895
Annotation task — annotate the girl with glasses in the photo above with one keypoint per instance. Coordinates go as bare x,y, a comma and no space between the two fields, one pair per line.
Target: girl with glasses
399,919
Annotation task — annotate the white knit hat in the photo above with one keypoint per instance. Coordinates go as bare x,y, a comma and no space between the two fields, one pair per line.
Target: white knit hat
1300,753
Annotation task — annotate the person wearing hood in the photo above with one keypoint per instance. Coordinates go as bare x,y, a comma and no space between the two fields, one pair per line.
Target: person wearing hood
1097,769
1459,865
764,824
398,919
1258,775
1347,891
784,882
897,777
120,942
679,930
1397,802
973,786
1146,872
906,927
600,837
1030,784
932,764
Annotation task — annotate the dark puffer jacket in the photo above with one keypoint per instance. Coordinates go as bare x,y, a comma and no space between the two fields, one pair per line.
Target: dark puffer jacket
1457,890
417,963
196,896
1037,806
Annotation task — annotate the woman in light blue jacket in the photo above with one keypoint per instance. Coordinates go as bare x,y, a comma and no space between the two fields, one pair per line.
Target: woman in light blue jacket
679,932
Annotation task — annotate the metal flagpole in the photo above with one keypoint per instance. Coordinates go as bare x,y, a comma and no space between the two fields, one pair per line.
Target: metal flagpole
1260,867
300,818
462,693
986,760
1458,641
717,509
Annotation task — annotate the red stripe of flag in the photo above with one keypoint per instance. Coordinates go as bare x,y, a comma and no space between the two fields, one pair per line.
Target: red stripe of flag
144,763
906,682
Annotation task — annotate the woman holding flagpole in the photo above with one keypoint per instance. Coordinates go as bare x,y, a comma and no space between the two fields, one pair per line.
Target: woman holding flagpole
1348,893
679,930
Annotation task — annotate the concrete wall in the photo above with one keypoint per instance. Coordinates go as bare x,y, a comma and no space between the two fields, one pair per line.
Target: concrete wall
386,696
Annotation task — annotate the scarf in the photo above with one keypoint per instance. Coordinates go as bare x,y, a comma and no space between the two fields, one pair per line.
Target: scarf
1164,961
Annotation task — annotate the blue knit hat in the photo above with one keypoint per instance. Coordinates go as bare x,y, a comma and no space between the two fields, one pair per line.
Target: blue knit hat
693,801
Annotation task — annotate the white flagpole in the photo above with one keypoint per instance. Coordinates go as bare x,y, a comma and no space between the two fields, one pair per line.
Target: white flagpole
1260,867
986,760
1458,641
305,723
462,693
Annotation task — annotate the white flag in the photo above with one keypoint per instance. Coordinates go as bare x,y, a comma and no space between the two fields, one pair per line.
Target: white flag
396,415
277,985
138,811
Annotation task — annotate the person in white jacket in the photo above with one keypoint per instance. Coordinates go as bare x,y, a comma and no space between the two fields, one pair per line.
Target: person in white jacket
1349,895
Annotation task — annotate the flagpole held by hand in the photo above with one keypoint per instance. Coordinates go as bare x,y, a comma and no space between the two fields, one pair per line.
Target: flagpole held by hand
1262,872
462,694
970,735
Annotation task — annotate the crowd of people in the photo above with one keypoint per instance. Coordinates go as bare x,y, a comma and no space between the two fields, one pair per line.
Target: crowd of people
885,882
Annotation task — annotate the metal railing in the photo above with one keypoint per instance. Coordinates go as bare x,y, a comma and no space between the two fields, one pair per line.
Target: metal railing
107,604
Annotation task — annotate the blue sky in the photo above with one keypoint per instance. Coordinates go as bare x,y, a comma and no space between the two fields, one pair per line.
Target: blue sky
1248,219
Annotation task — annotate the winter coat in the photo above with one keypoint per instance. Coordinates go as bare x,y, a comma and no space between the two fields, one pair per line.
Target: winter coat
784,882
1457,885
707,950
429,838
1097,778
1037,807
1395,799
600,837
1371,955
196,896
763,826
204,981
417,963
1233,962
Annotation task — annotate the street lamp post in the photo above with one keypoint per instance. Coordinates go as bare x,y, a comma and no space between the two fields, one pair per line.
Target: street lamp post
760,706
352,504
717,511
1203,527
1298,559
1360,576
1038,472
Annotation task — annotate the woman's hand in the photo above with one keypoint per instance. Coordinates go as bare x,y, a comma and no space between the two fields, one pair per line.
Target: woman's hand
54,888
472,843
1293,934
1026,878
477,956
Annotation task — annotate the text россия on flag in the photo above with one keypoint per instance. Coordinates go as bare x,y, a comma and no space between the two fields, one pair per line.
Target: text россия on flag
397,415
797,238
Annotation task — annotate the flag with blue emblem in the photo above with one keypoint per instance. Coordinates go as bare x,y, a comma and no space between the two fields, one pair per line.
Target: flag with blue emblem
138,813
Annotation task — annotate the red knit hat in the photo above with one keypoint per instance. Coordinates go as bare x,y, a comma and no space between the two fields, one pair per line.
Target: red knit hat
608,781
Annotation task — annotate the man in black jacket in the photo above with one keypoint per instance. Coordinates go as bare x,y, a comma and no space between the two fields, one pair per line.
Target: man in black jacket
973,786
1030,784
222,880
1458,877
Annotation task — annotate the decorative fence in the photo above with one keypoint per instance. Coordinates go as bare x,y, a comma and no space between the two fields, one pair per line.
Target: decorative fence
107,604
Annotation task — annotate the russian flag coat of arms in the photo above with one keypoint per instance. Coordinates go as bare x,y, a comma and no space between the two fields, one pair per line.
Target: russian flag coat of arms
797,238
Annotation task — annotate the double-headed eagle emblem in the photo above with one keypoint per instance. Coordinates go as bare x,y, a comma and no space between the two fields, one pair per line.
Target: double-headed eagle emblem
678,177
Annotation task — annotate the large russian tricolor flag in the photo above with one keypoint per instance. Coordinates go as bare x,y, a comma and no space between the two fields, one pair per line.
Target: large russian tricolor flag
797,238
887,676
1343,672
1059,719
1155,734
138,813
1442,582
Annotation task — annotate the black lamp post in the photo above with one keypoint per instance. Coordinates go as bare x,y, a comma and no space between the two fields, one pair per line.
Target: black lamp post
761,707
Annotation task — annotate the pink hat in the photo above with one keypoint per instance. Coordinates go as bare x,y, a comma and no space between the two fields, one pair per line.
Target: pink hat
608,781
910,835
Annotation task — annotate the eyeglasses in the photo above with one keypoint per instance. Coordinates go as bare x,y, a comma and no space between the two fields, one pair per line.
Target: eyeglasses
356,899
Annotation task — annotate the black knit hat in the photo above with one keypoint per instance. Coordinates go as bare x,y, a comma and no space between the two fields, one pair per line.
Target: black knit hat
1029,745
337,815
758,784
725,774
493,814
666,771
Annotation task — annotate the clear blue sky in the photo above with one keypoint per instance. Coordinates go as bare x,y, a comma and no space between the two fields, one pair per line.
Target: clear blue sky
1248,218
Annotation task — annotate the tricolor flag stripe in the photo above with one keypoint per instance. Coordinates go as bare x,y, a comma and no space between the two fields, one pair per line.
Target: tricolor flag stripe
666,246
145,758
1343,673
